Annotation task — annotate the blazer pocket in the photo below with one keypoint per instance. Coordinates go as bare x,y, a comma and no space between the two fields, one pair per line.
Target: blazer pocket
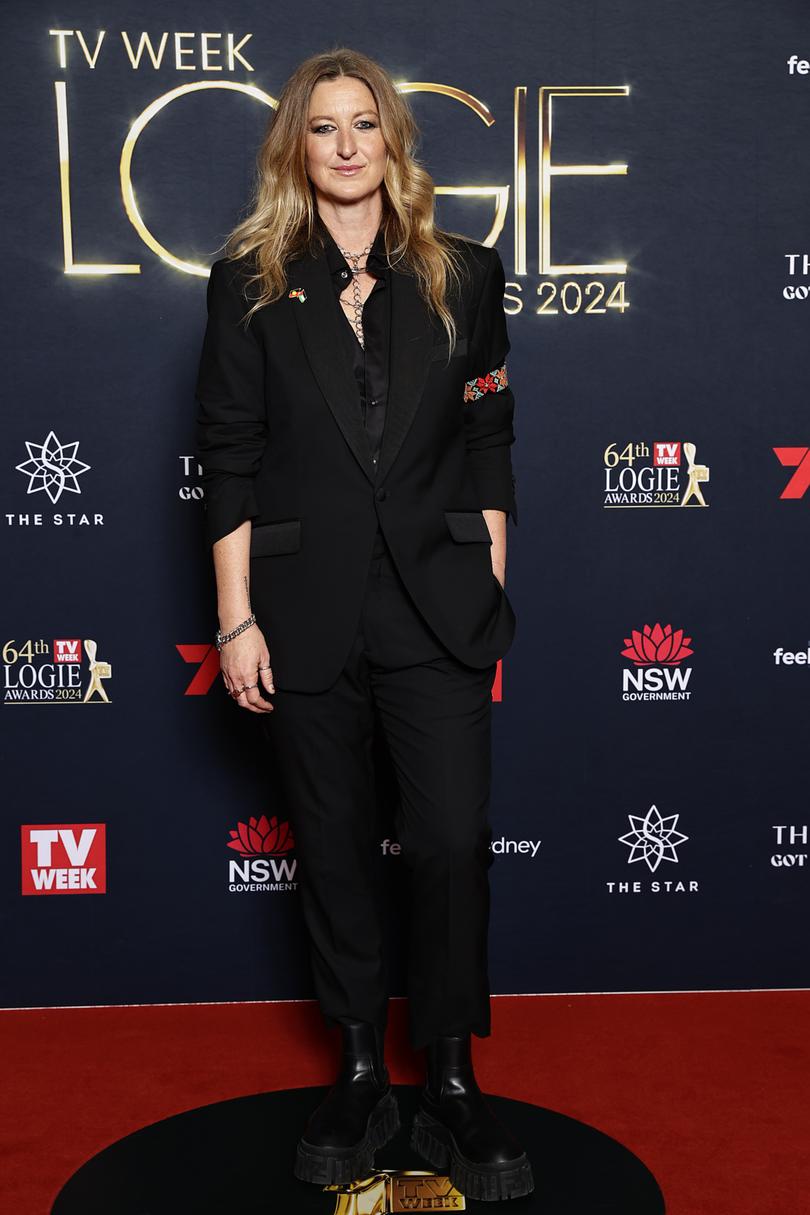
270,539
467,525
442,349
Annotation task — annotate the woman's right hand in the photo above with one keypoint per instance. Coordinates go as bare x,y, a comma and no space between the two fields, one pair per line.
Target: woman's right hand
241,661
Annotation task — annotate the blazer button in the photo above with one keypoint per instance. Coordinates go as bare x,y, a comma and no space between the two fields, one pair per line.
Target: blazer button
381,494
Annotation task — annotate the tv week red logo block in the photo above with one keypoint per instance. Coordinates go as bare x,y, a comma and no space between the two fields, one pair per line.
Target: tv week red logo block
64,858
66,649
666,455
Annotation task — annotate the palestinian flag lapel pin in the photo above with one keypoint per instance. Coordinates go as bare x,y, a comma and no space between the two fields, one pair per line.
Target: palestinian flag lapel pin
298,293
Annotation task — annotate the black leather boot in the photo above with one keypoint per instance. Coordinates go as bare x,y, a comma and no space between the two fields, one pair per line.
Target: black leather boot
456,1131
358,1114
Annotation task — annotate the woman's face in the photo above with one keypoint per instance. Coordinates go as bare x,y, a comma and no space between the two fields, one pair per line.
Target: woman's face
345,153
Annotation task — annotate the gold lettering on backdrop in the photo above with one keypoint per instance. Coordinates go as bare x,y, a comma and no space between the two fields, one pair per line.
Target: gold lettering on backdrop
72,267
180,51
156,53
206,49
127,188
145,44
549,170
520,178
63,35
499,193
135,131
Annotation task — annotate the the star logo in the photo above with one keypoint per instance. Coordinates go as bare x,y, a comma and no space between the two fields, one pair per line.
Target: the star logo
53,467
653,838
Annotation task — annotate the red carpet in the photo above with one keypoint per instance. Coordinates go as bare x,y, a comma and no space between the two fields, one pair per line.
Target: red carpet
710,1090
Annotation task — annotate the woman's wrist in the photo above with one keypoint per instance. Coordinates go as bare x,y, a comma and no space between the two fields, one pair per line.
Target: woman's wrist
234,607
231,618
222,637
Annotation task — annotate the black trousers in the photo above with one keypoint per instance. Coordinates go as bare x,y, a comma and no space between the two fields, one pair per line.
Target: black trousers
435,714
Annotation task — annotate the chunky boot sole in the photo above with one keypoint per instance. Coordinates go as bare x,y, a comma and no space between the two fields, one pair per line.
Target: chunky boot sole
340,1166
481,1182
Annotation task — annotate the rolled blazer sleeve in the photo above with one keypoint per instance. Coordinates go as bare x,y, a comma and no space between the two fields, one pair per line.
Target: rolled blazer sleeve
488,401
231,424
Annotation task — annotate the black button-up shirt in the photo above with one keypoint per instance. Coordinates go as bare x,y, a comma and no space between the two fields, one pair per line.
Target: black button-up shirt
370,362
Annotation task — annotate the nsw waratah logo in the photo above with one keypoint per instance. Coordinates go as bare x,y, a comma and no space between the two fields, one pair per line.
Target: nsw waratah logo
265,846
657,652
262,837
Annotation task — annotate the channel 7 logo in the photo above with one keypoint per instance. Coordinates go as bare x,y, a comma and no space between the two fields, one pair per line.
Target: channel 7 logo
798,458
206,658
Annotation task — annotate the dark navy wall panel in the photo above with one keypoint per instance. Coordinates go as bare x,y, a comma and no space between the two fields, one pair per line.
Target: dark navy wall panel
639,842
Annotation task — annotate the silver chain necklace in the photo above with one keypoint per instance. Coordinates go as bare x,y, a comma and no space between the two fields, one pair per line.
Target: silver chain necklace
357,302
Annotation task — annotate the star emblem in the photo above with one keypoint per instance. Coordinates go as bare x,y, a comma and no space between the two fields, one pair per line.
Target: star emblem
653,839
53,467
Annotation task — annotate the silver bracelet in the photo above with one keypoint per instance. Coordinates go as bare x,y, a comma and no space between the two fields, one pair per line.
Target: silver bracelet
222,638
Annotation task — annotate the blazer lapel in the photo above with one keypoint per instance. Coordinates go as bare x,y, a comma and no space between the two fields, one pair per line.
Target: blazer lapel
317,319
412,337
412,340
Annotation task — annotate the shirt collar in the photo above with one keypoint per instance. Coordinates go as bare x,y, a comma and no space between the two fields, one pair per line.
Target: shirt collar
339,267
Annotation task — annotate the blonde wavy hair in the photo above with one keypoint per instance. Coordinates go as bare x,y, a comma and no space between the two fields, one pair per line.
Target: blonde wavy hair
281,221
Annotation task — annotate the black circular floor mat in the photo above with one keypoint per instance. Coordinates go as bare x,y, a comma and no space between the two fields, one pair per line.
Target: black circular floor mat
235,1158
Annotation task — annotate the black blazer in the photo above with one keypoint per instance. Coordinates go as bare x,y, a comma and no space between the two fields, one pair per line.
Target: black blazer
280,441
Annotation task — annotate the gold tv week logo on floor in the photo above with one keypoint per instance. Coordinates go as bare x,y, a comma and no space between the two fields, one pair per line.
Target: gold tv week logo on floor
65,671
387,1192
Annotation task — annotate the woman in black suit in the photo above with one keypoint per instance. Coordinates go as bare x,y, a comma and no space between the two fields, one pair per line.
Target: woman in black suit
354,430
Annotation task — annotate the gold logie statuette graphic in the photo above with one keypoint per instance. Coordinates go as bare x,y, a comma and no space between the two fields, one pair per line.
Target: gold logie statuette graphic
697,473
98,671
397,1191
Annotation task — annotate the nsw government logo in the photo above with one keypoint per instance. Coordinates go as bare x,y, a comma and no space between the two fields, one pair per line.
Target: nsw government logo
656,652
653,840
661,473
264,846
63,858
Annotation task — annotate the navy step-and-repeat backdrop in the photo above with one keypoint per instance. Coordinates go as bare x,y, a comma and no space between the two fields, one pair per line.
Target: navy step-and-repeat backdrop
642,168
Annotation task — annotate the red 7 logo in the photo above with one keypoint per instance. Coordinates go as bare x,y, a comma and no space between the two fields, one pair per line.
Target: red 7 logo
798,458
208,658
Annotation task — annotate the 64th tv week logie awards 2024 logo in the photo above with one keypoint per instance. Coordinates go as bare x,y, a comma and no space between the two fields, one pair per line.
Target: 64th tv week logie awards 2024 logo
65,671
662,473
